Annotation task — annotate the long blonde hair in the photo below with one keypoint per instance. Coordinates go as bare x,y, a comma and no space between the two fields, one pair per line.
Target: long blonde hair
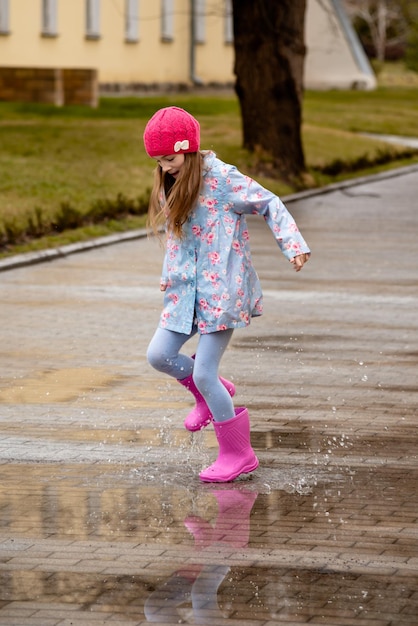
172,200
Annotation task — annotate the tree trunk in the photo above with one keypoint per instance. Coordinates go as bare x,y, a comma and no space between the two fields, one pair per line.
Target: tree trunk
269,57
381,26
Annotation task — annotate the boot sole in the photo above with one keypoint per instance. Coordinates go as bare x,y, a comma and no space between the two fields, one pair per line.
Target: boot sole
246,470
198,427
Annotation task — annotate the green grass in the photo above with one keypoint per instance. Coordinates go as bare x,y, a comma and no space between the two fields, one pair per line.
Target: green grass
78,156
45,163
123,108
388,110
395,74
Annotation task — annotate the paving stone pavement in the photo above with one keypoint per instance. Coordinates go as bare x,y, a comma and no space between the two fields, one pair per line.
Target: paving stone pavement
102,517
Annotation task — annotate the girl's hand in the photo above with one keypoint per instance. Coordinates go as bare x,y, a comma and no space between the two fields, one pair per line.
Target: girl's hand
300,260
163,286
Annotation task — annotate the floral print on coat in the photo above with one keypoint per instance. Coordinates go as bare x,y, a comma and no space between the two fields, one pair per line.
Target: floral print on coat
209,276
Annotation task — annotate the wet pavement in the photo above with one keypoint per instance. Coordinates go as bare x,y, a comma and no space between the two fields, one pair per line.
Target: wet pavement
103,519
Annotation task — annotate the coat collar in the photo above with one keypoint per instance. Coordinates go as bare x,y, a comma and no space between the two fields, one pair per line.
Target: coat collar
208,160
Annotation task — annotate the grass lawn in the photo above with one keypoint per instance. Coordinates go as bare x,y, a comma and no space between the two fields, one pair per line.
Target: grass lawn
77,156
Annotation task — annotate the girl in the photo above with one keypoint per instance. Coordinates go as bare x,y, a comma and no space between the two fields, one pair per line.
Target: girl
209,283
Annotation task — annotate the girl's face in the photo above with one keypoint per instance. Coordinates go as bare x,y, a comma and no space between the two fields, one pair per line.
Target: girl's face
171,163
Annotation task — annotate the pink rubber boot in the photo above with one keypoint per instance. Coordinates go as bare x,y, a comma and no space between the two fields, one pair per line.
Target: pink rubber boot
233,521
200,416
201,530
232,525
236,455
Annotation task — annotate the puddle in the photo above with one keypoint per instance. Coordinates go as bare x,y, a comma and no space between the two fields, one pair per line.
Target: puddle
114,525
264,480
213,595
97,542
48,387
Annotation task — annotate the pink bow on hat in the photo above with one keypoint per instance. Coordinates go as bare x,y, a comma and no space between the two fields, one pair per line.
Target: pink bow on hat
181,145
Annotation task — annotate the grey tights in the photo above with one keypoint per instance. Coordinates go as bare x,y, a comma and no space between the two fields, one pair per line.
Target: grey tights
164,355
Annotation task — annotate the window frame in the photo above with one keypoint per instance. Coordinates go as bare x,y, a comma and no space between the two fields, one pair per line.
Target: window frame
49,18
131,21
167,20
93,19
199,21
228,23
4,17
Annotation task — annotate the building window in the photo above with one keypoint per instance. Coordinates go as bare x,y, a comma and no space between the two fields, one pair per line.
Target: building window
131,20
199,21
228,24
49,18
167,20
93,19
4,17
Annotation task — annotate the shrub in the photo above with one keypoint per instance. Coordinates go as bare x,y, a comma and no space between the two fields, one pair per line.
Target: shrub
384,155
411,56
68,217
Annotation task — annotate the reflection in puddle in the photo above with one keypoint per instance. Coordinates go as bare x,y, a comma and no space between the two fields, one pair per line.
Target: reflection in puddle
307,538
254,594
285,545
191,592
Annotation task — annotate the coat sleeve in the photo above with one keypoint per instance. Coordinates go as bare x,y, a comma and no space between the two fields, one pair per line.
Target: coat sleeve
245,195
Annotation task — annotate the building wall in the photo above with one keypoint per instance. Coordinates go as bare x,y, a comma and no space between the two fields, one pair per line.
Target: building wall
149,60
215,58
152,60
335,58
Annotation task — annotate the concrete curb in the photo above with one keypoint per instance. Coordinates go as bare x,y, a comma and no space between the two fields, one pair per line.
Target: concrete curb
31,258
353,182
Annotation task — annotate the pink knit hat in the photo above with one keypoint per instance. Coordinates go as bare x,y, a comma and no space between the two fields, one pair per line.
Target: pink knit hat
171,131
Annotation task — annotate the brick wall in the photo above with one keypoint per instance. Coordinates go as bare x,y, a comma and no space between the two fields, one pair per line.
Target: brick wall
49,85
80,87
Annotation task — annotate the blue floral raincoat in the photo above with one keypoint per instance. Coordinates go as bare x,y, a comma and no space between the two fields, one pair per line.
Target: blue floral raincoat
209,276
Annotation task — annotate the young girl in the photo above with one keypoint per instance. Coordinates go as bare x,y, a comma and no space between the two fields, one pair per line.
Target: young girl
209,283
